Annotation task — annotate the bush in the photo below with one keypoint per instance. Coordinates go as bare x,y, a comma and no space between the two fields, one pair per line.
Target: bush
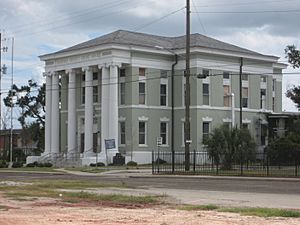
160,161
3,164
132,163
48,164
98,164
17,164
30,165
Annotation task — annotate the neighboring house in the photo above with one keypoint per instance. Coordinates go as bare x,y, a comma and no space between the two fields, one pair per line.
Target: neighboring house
119,86
20,142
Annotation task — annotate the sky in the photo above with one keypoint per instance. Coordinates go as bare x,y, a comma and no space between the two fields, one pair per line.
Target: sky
39,27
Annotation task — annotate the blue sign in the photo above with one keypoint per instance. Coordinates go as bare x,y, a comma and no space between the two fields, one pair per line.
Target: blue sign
110,143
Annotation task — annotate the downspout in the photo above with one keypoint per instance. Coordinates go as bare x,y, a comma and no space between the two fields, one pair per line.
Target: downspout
172,116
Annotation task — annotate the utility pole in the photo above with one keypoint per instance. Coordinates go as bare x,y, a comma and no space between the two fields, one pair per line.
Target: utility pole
187,139
241,94
11,109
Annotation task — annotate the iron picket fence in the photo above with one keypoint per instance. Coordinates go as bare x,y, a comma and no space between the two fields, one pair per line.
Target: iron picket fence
258,164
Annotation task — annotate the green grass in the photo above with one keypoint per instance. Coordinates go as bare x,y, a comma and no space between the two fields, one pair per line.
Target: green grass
51,188
118,198
34,169
198,207
261,212
3,208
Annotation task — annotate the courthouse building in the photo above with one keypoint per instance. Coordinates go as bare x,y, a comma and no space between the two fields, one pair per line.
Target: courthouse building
119,86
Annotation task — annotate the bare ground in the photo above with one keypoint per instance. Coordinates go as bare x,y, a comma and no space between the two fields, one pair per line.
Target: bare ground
46,211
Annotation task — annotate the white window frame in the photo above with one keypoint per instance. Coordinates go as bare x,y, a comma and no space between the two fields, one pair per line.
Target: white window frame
167,133
145,138
163,82
207,83
144,82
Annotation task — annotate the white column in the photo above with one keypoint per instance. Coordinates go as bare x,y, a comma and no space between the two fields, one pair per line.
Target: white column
88,112
55,115
104,106
48,115
113,105
72,143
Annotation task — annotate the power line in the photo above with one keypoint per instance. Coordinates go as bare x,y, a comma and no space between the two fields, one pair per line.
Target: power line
250,12
198,16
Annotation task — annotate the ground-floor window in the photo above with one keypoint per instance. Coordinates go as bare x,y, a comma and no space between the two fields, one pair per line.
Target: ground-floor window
122,133
164,132
142,132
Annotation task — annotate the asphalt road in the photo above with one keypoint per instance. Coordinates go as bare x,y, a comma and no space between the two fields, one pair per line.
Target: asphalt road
270,186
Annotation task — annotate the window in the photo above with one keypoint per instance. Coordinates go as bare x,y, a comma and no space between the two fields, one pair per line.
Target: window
142,93
95,120
263,134
205,131
245,97
245,125
262,98
122,73
122,133
163,132
83,77
142,72
163,74
95,93
226,95
122,93
273,84
81,142
226,75
142,133
83,95
273,104
95,142
205,72
244,76
263,79
163,94
95,76
205,94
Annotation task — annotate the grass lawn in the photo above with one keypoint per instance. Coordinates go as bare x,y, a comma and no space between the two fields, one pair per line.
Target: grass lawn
261,212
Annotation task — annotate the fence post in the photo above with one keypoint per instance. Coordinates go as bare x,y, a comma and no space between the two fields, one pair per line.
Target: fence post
153,162
268,162
173,161
158,159
296,169
241,161
194,161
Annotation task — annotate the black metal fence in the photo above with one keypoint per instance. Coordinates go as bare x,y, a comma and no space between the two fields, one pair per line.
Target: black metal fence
260,164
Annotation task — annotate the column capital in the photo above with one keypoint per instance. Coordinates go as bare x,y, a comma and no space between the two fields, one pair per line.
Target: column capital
68,71
110,64
86,68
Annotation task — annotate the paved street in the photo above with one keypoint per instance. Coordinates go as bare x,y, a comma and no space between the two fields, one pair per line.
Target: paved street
236,191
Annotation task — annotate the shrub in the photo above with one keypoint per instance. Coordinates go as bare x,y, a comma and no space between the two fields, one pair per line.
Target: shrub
3,164
48,164
132,163
160,161
17,164
93,165
30,165
100,164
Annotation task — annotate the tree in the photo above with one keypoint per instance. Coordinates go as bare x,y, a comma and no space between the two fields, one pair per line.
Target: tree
30,99
225,146
293,55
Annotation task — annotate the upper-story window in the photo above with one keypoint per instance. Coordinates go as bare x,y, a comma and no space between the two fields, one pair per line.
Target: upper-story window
205,93
163,74
163,94
245,97
95,93
244,76
142,72
142,93
226,75
262,98
226,95
122,72
263,79
122,93
95,76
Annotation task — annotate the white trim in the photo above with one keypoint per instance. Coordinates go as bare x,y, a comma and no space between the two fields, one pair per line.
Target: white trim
207,119
246,121
164,119
122,119
145,107
143,118
223,108
227,120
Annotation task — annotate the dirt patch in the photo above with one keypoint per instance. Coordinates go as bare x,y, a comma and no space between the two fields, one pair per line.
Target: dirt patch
46,211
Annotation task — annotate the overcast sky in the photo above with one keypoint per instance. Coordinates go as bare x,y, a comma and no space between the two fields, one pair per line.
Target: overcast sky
41,26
